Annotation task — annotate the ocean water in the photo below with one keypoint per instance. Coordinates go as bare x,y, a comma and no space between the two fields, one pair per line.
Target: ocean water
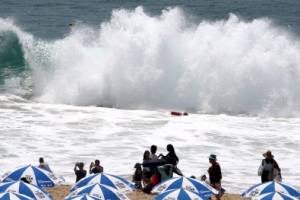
104,87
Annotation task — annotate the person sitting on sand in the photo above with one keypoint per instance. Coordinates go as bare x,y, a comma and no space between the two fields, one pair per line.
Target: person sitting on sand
205,179
96,168
44,165
268,163
165,171
215,174
81,173
137,176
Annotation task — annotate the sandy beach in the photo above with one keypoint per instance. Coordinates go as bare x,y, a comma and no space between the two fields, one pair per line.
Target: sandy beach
60,192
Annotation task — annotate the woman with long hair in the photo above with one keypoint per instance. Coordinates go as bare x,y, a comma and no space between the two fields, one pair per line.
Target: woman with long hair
146,170
172,158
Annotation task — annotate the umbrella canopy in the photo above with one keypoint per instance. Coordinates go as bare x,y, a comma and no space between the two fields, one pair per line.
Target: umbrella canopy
30,190
185,183
34,175
83,197
99,190
263,188
13,196
180,194
274,196
154,162
113,181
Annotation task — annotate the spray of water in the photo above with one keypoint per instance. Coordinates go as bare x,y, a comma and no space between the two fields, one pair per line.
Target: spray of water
137,61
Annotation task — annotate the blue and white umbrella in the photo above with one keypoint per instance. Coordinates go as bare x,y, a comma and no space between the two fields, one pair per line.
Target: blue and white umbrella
83,197
13,196
263,188
113,181
180,194
274,196
185,183
27,189
99,190
34,175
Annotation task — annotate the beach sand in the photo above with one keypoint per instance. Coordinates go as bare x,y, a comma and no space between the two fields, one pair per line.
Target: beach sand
60,192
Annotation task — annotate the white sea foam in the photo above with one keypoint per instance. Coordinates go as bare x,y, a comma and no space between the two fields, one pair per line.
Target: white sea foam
64,135
137,61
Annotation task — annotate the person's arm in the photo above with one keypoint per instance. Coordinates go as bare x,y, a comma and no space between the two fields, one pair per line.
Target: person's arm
99,168
75,170
276,166
160,155
218,172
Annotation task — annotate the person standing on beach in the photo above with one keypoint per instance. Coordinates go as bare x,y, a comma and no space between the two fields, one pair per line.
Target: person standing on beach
269,165
80,173
215,175
96,168
44,165
146,170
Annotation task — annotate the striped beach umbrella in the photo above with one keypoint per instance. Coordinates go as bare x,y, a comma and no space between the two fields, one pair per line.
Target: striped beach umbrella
185,183
267,187
27,189
99,190
274,196
13,196
83,197
34,175
180,194
113,181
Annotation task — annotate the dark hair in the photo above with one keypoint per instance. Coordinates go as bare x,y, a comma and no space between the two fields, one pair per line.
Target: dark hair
193,177
97,161
170,148
41,160
137,165
153,149
145,154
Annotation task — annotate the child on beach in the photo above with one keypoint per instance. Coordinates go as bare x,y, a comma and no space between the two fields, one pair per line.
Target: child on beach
137,176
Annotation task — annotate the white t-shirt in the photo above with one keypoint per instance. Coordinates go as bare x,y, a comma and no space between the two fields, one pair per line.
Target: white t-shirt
153,156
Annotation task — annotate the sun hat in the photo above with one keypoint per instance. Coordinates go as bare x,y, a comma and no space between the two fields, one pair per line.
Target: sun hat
213,156
268,154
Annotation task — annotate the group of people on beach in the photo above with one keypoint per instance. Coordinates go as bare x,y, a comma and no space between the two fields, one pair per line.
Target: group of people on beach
80,172
146,175
154,173
151,175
